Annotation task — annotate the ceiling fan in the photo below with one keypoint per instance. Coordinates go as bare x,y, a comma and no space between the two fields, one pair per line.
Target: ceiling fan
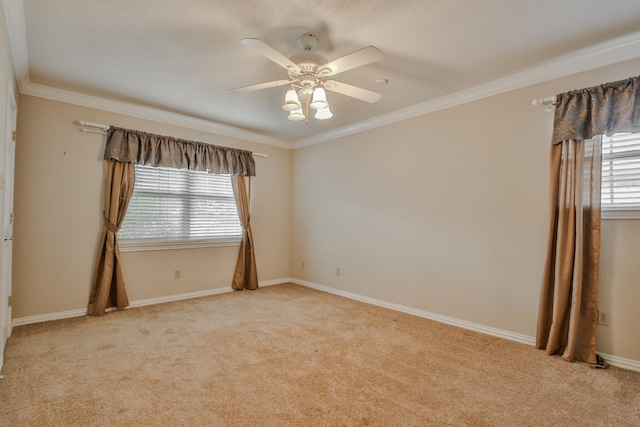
310,74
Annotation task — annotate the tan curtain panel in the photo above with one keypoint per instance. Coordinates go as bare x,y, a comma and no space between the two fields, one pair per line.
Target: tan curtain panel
132,146
108,288
567,317
245,275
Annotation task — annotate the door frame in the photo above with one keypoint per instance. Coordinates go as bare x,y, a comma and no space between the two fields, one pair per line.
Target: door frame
6,196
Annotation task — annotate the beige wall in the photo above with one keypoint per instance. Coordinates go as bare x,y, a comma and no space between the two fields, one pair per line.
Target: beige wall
58,207
447,213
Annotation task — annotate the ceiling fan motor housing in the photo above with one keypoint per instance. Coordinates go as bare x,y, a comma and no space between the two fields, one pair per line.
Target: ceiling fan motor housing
310,73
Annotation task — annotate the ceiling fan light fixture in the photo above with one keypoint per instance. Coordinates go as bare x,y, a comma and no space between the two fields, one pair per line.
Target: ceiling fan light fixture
319,100
291,101
323,113
296,115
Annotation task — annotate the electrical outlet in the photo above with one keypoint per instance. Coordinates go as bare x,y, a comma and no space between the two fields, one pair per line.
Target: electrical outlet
177,274
338,271
603,318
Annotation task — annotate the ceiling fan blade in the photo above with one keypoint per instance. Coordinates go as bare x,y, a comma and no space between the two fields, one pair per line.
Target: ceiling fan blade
259,86
352,91
271,53
352,60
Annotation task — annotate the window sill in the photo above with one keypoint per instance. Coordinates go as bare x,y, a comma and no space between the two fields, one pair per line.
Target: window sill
141,247
620,214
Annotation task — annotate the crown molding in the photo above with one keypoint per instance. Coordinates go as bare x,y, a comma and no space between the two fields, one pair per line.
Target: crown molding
149,113
600,55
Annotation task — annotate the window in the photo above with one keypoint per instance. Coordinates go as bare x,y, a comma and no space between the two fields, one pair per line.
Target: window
621,176
172,208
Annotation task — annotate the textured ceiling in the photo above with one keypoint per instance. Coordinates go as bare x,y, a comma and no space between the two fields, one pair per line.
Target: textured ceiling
182,56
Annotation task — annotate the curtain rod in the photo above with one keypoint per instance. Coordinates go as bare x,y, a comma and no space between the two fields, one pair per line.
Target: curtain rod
545,101
105,128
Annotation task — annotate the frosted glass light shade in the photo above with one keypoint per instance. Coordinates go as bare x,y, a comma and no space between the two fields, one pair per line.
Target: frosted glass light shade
323,114
296,115
319,100
291,101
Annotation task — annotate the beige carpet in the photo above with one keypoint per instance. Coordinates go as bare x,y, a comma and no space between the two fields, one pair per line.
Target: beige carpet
287,355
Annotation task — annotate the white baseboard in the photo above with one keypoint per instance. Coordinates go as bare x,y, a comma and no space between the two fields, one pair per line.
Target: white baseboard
19,321
274,282
178,297
525,339
138,303
619,362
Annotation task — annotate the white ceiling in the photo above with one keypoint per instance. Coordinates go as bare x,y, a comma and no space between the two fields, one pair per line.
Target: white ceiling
182,56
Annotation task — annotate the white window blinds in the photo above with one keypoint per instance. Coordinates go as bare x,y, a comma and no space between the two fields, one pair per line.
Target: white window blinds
180,206
621,172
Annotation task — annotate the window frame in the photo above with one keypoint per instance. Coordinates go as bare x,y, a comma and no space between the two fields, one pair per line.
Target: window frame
135,245
610,212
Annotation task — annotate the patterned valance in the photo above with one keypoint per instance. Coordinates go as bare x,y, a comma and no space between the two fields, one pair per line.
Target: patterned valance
600,110
132,146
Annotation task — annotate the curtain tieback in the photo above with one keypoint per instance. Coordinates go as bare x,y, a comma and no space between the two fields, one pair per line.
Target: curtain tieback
110,226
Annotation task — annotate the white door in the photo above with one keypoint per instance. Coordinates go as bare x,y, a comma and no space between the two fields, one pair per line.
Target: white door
7,160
